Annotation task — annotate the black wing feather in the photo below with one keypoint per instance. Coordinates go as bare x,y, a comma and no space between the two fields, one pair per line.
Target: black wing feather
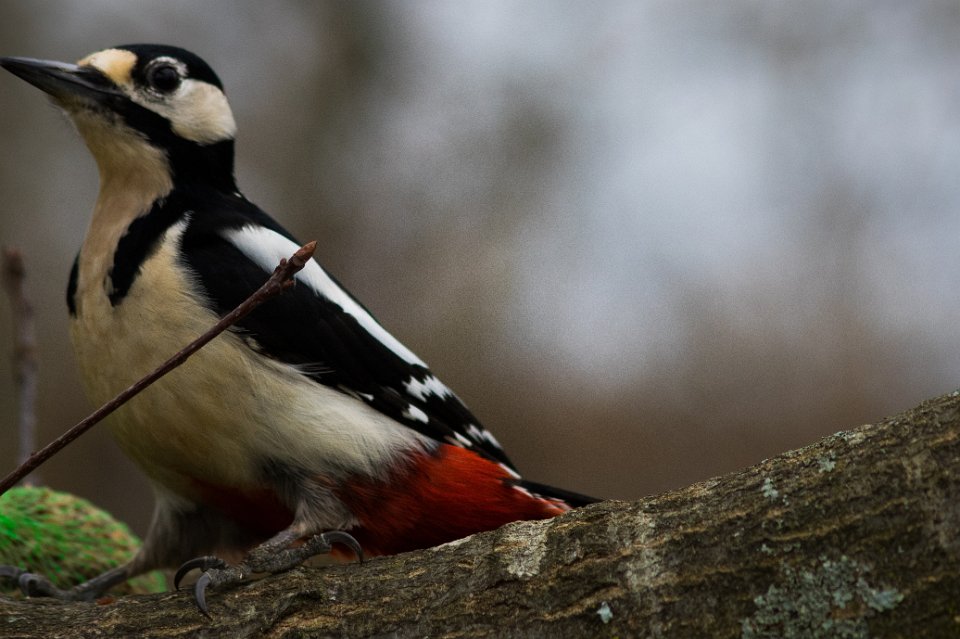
308,330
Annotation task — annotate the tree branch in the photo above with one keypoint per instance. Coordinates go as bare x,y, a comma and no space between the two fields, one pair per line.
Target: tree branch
856,535
24,352
281,279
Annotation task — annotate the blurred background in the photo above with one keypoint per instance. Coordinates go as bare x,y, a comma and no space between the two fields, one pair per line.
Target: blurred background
646,242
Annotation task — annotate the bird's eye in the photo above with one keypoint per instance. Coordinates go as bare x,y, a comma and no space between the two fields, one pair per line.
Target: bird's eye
164,78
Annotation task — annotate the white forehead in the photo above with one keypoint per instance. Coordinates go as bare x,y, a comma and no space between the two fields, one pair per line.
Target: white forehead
116,64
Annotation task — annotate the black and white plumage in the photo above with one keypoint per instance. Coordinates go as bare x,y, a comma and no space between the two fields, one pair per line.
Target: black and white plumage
231,246
308,416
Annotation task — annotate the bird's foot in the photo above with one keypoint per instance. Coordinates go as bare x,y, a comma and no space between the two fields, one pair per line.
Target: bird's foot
270,557
34,585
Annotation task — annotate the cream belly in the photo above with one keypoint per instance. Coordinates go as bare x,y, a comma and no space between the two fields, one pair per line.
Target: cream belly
225,412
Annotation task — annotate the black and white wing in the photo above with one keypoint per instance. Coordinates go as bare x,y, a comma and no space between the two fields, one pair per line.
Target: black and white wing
318,327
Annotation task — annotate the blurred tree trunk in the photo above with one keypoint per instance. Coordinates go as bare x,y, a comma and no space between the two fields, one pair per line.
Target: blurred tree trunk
856,535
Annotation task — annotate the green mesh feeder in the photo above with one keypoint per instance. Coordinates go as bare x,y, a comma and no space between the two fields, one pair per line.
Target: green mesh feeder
67,539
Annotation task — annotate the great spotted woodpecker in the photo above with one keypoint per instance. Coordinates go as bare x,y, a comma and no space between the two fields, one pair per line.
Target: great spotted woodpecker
308,417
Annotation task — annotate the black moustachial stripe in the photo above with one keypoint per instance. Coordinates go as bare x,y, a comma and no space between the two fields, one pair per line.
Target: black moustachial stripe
139,243
301,327
209,165
202,165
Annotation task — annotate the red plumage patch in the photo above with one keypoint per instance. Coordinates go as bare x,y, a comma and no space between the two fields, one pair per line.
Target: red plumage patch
439,497
257,510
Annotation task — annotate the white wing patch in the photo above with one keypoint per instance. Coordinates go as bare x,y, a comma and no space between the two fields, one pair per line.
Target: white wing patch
482,434
413,412
429,386
266,247
461,440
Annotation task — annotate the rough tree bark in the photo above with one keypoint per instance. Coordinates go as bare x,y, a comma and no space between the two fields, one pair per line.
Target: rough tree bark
854,536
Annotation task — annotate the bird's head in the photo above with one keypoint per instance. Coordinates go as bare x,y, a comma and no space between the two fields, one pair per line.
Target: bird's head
143,103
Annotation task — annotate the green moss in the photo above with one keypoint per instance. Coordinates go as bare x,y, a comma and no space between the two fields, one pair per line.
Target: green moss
832,600
65,538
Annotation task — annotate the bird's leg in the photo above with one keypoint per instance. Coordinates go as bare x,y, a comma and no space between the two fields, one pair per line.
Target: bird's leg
272,556
33,585
173,533
169,532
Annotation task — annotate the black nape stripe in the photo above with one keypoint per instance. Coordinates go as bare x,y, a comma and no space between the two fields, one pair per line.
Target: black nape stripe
139,243
72,287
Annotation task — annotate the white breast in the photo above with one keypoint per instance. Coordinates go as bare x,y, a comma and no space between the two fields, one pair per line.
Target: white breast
227,410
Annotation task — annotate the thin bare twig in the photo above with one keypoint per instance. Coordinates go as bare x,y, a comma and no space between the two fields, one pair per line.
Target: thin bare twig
24,354
281,279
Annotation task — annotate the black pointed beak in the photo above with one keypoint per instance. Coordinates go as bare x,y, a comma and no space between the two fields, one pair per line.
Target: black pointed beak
62,79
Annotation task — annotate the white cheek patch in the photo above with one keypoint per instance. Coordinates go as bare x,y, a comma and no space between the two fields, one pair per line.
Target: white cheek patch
197,111
202,113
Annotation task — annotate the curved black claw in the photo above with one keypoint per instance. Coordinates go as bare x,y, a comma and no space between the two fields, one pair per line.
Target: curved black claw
199,593
201,563
272,556
348,540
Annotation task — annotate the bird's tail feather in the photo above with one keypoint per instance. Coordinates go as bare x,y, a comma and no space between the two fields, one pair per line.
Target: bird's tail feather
574,499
